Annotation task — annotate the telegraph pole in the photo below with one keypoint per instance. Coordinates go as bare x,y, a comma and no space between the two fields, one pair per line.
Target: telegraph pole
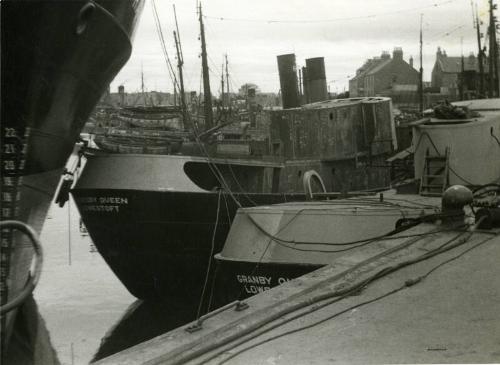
462,69
421,81
493,55
480,58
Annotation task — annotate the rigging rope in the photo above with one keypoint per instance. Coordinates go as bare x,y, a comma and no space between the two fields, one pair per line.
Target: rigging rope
210,257
164,48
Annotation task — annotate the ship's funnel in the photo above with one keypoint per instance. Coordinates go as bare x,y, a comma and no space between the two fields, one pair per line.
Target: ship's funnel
316,80
288,81
121,92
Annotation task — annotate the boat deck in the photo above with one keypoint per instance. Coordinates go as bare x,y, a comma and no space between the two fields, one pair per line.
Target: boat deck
439,310
388,198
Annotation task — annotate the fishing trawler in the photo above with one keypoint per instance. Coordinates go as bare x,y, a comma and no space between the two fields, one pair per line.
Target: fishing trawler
57,59
156,218
151,129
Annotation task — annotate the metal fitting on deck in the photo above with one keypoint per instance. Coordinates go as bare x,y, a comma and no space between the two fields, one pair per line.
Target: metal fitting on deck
453,201
198,325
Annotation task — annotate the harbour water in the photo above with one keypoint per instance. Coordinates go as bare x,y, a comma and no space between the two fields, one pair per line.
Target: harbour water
78,296
87,311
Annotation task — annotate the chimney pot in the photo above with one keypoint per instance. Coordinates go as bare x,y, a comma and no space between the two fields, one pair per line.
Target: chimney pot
397,53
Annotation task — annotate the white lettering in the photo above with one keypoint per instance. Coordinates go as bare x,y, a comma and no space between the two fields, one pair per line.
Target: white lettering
100,208
112,200
254,289
262,280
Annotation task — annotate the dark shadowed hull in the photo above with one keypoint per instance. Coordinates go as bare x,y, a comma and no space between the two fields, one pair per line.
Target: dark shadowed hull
159,244
57,59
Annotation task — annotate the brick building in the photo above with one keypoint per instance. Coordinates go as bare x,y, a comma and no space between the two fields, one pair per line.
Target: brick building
449,76
384,76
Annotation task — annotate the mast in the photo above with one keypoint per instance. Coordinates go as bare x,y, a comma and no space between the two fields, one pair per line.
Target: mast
421,81
178,33
142,80
227,88
180,63
143,95
206,78
222,87
479,56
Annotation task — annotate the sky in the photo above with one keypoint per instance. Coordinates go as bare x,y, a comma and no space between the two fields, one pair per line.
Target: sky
253,32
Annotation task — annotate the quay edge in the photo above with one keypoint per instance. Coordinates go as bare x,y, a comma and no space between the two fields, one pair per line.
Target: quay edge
448,315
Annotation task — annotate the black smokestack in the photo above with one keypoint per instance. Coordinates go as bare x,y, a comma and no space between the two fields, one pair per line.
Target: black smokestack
288,81
121,92
316,79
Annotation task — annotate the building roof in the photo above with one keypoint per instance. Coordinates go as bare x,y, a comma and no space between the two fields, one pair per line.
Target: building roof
368,66
374,65
379,66
454,64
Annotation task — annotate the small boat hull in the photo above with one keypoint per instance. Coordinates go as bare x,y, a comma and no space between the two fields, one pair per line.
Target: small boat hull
268,246
237,280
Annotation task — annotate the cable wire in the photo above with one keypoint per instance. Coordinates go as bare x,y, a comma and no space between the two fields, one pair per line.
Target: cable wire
210,258
307,21
334,297
355,242
240,187
407,284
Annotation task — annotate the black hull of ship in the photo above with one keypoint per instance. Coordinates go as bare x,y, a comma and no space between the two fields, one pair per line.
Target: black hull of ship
159,245
57,59
152,217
